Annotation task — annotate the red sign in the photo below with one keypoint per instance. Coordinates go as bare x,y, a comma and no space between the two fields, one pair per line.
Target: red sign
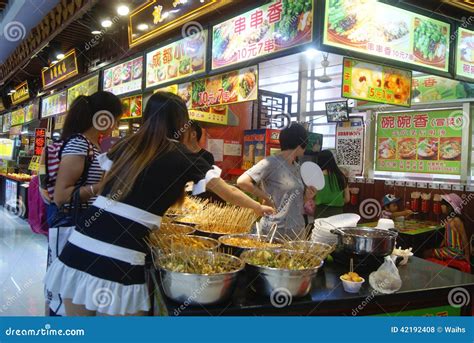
40,141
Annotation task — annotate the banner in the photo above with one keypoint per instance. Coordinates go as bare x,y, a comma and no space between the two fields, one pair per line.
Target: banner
350,145
125,77
276,26
380,30
86,87
465,53
420,142
63,70
132,107
177,60
377,83
40,141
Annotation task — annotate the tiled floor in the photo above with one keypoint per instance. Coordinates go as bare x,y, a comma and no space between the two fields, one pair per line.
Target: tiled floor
22,268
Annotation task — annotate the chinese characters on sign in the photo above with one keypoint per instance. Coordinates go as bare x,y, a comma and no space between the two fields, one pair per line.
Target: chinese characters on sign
177,60
425,142
273,27
86,87
465,53
64,69
375,28
54,104
125,77
40,141
21,94
376,83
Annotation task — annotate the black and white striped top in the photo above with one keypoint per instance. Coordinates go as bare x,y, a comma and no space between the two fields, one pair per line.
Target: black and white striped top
81,146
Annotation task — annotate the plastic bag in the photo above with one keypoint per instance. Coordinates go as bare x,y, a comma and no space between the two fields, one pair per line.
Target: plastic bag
386,279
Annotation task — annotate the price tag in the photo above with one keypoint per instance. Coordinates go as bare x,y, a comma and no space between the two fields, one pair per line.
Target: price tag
433,185
445,186
458,188
400,183
421,185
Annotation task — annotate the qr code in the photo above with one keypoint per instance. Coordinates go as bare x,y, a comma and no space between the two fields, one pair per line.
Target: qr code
348,152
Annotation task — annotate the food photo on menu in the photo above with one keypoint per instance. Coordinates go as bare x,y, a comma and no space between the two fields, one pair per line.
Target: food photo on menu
278,170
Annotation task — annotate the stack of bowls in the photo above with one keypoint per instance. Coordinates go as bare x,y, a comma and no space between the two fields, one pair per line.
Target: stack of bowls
323,226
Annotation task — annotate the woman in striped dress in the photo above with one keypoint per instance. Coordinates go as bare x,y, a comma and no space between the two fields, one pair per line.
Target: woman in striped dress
456,243
101,270
78,169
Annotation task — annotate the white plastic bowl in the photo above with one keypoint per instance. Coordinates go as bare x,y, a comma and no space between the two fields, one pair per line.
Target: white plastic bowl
351,286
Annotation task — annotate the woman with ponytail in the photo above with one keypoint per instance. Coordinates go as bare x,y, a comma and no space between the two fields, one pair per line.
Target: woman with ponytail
104,258
76,169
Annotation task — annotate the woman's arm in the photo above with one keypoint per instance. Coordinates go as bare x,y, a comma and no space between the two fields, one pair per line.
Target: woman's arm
235,196
246,183
42,175
70,171
347,195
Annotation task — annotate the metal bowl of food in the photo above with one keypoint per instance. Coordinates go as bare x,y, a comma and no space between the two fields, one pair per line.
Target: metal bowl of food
366,240
175,229
203,230
318,249
202,278
166,244
281,269
238,243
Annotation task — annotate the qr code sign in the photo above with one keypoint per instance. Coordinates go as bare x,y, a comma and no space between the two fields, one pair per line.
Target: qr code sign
349,152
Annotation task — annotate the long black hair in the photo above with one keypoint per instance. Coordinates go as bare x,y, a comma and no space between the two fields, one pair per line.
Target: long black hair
166,118
80,116
326,161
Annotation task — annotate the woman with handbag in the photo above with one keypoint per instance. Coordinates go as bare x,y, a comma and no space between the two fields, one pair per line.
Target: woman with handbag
101,270
79,174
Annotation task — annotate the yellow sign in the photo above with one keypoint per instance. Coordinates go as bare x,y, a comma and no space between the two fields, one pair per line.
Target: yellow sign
34,163
21,94
6,148
18,117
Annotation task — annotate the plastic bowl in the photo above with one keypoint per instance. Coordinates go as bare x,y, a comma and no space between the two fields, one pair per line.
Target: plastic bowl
351,286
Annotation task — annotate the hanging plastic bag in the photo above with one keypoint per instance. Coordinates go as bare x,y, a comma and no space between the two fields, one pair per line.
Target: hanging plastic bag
386,279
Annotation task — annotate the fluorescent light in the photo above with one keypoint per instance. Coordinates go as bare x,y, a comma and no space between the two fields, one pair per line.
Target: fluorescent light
60,56
165,15
96,32
311,52
13,91
54,62
142,27
123,10
106,23
201,1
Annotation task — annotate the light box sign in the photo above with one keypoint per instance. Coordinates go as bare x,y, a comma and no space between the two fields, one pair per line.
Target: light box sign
7,122
86,87
177,60
54,104
465,53
32,111
273,27
381,30
132,107
21,93
6,148
420,142
63,70
430,88
125,77
153,18
377,83
18,117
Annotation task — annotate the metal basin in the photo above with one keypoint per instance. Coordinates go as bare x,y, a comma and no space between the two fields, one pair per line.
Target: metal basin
269,280
321,250
236,250
366,240
202,289
175,229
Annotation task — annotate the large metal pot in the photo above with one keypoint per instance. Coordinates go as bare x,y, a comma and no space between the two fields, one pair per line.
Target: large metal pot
366,240
272,281
201,289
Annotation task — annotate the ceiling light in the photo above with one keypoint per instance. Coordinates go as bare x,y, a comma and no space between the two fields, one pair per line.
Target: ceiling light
123,10
60,56
201,1
165,15
106,23
13,91
54,62
96,32
142,27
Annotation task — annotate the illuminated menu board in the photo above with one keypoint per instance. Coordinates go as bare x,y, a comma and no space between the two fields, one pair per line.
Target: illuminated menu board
86,87
380,30
465,54
54,104
125,77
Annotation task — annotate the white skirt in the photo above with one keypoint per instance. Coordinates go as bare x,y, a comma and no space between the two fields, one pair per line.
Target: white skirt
94,293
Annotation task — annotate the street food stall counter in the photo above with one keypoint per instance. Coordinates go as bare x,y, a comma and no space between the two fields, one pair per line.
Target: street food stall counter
427,289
